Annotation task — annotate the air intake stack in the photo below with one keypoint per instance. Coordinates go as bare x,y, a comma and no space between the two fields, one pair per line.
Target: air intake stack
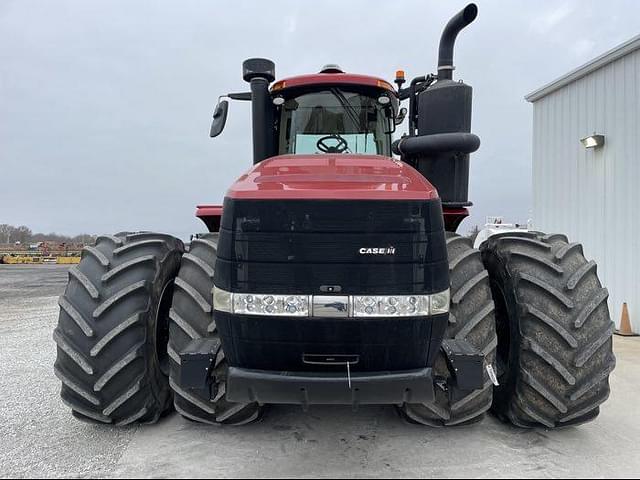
259,73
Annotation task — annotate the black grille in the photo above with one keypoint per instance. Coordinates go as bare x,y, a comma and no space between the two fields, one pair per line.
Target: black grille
319,247
298,246
332,216
383,278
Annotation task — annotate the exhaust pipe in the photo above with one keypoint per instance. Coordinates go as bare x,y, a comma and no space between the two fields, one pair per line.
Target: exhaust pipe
448,40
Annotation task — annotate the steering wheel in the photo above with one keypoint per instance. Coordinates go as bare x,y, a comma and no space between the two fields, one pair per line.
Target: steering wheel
340,147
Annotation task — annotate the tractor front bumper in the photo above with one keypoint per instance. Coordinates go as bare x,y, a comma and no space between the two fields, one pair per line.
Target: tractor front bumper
320,388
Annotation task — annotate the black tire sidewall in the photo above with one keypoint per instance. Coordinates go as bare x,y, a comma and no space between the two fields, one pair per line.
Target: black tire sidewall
503,291
159,382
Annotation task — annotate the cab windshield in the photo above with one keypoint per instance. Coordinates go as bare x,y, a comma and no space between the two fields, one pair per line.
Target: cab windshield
336,121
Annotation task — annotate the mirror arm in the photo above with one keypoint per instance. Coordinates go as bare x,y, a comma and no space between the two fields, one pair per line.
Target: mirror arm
243,96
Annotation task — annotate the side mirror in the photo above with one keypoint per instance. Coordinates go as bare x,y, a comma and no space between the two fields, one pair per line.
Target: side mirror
219,118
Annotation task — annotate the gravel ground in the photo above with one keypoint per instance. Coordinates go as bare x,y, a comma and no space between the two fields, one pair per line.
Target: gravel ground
37,435
39,438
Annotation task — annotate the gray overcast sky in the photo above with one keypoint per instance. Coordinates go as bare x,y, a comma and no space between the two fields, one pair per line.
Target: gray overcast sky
105,106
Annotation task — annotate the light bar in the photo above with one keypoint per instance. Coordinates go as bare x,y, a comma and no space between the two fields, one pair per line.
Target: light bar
346,306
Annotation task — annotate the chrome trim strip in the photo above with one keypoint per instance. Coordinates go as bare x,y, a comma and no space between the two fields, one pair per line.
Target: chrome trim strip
332,306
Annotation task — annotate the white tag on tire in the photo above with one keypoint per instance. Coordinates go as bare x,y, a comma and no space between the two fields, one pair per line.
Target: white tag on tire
492,375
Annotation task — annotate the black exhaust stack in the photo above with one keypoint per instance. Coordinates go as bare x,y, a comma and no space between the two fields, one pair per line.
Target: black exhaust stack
448,40
260,72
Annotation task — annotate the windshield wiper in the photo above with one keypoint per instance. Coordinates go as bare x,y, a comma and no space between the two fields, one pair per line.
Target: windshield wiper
351,111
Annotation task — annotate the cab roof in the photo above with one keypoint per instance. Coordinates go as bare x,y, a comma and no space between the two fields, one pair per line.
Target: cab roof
332,79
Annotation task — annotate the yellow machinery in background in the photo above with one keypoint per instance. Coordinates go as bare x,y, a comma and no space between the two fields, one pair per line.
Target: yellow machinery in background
67,260
38,260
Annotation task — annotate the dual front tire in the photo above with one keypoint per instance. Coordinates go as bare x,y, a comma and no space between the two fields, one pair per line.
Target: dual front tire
131,305
533,305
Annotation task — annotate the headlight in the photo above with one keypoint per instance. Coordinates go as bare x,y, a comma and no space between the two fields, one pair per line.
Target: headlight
391,306
256,304
290,305
358,305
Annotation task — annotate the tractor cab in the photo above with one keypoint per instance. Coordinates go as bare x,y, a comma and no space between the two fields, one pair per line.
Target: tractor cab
334,113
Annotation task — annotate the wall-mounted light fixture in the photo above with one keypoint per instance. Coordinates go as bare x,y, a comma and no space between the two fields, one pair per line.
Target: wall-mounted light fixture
593,141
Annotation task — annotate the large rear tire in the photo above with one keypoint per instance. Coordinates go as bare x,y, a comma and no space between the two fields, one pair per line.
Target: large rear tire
192,317
471,318
555,349
111,333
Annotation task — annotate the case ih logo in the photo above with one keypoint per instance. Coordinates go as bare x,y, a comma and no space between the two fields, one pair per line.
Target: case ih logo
378,251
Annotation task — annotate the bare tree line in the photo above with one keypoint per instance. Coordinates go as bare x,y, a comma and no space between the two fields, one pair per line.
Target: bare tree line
23,234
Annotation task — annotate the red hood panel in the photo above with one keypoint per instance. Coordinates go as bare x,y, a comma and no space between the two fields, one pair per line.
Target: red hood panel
355,177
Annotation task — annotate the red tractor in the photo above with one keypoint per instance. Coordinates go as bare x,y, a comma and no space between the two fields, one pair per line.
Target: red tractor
332,274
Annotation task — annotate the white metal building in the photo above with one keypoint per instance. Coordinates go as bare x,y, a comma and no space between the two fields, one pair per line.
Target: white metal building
593,194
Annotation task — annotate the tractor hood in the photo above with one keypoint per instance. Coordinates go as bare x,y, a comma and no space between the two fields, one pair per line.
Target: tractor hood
325,176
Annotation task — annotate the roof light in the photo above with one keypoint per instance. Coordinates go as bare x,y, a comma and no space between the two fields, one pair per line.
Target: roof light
278,85
331,68
400,79
383,84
